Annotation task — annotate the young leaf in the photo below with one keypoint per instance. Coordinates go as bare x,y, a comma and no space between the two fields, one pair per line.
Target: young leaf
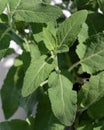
37,72
61,95
49,40
34,11
92,59
70,28
9,94
33,50
48,36
92,91
45,120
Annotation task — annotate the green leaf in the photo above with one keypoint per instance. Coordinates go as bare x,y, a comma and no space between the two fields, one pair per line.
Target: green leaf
33,50
4,40
9,94
37,72
34,11
96,110
61,95
48,36
92,54
91,27
45,120
62,49
49,40
70,28
92,91
14,125
2,5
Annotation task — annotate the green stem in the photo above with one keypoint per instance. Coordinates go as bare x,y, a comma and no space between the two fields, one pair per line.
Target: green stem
56,64
73,66
27,44
9,16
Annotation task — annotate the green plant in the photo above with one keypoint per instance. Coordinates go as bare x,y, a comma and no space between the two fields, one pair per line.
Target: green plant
61,69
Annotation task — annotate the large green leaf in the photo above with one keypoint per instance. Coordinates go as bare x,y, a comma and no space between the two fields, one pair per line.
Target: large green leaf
9,94
92,91
14,125
61,95
34,11
45,120
70,28
91,27
91,54
37,72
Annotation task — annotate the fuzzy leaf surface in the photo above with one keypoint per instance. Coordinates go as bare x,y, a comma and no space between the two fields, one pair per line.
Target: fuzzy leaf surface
37,72
92,54
61,95
34,11
70,28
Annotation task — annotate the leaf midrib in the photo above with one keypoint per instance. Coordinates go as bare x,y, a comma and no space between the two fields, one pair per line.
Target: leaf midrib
42,66
62,95
84,59
68,33
95,54
31,11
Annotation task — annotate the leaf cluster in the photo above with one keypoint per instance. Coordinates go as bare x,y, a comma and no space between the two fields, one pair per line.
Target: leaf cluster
61,69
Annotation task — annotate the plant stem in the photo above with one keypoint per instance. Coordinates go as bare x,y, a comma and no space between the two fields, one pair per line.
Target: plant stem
73,66
56,63
9,16
43,83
